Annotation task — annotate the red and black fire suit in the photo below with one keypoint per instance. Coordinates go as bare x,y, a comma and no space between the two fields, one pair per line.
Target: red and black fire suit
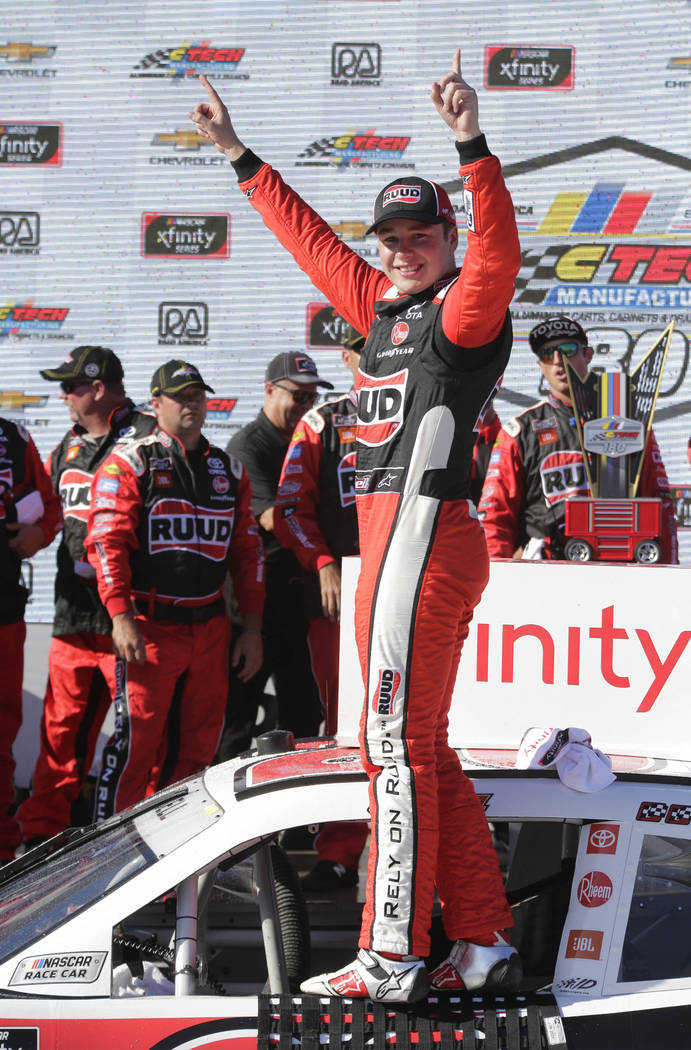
484,443
535,466
315,517
164,527
81,653
430,364
21,475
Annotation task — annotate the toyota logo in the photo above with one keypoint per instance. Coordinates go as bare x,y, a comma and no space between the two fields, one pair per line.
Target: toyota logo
603,838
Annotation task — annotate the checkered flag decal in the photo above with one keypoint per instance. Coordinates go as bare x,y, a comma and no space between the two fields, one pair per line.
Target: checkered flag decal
536,275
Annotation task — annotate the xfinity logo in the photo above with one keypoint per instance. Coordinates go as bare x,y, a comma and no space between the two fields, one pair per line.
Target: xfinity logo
183,323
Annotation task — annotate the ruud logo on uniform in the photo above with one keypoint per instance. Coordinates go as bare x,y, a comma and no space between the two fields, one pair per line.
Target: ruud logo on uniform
75,493
175,524
594,889
384,700
380,407
562,475
603,838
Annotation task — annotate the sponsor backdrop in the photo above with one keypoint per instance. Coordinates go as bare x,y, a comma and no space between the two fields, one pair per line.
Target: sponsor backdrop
119,225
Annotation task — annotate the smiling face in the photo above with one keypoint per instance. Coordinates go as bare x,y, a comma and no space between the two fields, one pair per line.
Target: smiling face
416,254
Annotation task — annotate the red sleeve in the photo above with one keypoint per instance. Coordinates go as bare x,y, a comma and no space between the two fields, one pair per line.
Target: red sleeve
347,281
475,308
37,478
502,497
296,522
654,484
111,531
246,554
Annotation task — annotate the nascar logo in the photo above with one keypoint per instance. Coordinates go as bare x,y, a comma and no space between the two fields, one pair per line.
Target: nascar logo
380,407
176,524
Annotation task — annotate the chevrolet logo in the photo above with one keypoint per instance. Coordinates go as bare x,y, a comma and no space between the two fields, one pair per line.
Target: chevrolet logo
181,139
679,63
17,399
350,231
20,52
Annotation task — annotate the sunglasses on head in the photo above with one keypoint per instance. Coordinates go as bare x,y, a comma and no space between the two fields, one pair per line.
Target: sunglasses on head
569,349
300,397
68,386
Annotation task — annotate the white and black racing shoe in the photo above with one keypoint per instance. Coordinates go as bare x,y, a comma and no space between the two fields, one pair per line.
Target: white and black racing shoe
472,967
371,976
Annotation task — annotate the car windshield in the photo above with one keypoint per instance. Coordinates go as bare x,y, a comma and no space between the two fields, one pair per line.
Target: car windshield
43,897
657,945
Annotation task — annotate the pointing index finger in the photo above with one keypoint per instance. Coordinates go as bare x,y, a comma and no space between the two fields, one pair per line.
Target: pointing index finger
210,90
457,61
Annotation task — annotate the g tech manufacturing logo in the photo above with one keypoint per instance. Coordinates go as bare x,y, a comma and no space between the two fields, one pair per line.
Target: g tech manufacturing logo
356,64
176,63
31,144
380,407
185,142
529,68
324,327
17,57
25,319
584,944
384,699
594,889
682,65
603,838
176,524
183,324
363,149
17,400
194,236
218,410
20,232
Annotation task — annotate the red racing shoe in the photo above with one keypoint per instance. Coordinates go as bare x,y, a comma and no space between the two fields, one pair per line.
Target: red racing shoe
493,968
371,976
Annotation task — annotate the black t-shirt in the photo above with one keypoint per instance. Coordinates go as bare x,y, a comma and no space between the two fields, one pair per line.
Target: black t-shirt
261,447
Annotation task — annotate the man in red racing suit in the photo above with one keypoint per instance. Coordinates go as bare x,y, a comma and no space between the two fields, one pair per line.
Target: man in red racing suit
537,462
437,346
29,519
170,514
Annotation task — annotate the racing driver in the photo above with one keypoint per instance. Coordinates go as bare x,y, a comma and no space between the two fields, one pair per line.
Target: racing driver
437,346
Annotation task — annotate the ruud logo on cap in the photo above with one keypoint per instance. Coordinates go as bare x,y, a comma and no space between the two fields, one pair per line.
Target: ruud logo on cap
402,195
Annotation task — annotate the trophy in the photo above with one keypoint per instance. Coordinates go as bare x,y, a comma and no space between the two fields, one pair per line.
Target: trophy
614,415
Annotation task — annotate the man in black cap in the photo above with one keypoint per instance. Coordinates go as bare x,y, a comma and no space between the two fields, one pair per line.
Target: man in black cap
290,389
170,517
537,461
77,697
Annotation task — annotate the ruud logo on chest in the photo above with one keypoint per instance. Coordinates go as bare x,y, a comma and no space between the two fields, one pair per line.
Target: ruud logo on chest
380,407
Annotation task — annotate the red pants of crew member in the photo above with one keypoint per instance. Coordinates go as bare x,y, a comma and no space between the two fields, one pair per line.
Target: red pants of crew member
419,583
76,703
12,637
189,661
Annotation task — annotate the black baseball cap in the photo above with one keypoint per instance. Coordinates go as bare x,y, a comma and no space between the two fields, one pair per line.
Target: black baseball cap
413,198
558,327
174,376
353,340
87,362
296,366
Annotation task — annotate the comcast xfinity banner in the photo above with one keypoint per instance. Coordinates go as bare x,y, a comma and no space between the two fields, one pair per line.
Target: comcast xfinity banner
556,644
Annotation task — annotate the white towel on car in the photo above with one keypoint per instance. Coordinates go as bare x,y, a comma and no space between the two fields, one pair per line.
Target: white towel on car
580,765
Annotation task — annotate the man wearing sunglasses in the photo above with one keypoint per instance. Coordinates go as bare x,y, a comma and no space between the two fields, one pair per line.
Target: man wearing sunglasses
77,698
290,390
537,462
